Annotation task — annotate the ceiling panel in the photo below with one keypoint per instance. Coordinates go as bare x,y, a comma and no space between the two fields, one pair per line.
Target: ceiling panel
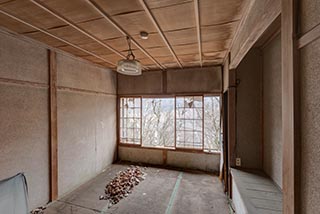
186,49
218,32
154,40
74,10
159,51
135,22
165,3
73,50
70,34
119,44
216,45
175,17
42,37
101,28
96,48
13,25
27,11
116,7
180,37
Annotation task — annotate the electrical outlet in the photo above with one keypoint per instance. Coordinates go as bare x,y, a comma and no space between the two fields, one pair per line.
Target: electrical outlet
238,161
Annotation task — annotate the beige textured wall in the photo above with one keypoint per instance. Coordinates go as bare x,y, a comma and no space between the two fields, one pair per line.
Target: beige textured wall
310,127
24,128
178,81
249,107
86,121
86,117
272,122
310,110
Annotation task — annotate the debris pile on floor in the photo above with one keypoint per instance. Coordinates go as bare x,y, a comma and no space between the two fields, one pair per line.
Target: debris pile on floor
39,210
121,186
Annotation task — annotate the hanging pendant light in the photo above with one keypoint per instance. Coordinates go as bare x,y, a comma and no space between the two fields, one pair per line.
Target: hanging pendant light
129,66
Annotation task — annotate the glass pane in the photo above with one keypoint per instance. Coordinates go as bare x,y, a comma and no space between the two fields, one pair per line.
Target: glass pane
158,122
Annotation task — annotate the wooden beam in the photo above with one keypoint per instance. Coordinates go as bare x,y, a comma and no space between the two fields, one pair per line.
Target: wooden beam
232,93
198,24
53,126
249,32
309,37
56,37
290,108
121,30
157,26
45,8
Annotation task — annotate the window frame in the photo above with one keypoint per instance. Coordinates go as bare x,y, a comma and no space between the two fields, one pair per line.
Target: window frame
193,150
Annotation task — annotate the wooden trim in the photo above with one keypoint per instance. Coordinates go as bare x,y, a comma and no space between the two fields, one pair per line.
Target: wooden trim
164,156
290,108
53,127
232,120
45,8
309,37
157,26
122,31
159,95
23,83
64,88
164,82
197,15
56,37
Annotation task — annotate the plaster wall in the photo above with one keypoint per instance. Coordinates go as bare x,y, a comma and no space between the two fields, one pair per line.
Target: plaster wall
272,121
249,108
24,127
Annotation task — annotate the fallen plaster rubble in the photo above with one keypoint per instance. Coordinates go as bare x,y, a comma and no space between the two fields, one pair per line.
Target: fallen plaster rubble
39,210
121,186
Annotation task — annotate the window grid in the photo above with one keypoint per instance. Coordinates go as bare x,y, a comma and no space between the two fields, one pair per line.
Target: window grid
198,116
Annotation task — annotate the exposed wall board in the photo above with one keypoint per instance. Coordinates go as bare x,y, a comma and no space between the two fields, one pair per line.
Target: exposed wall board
272,122
29,63
205,162
24,131
249,136
310,147
87,136
150,156
78,74
261,14
310,15
147,83
195,80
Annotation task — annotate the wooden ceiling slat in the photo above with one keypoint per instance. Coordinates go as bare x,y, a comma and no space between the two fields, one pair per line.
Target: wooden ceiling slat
145,7
175,17
14,25
197,15
216,45
121,30
52,35
186,49
42,6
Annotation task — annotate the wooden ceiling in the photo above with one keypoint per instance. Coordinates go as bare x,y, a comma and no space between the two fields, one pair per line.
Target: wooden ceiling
182,33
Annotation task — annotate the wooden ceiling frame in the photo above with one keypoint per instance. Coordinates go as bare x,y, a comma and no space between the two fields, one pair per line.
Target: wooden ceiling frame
42,6
197,15
121,30
157,26
56,37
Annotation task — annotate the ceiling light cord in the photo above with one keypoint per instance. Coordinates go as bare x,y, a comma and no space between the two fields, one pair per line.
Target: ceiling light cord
130,52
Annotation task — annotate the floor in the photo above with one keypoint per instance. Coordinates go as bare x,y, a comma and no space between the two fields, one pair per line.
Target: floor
163,191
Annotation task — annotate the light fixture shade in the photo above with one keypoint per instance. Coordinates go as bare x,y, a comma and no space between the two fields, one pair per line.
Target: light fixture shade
129,67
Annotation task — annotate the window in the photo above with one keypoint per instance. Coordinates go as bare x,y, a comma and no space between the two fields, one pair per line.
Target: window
211,123
130,120
183,122
189,121
158,122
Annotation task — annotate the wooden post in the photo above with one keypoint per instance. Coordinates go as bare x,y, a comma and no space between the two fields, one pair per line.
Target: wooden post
232,122
53,126
290,108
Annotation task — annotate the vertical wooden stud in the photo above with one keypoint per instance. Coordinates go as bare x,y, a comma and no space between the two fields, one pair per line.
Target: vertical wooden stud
290,108
53,126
